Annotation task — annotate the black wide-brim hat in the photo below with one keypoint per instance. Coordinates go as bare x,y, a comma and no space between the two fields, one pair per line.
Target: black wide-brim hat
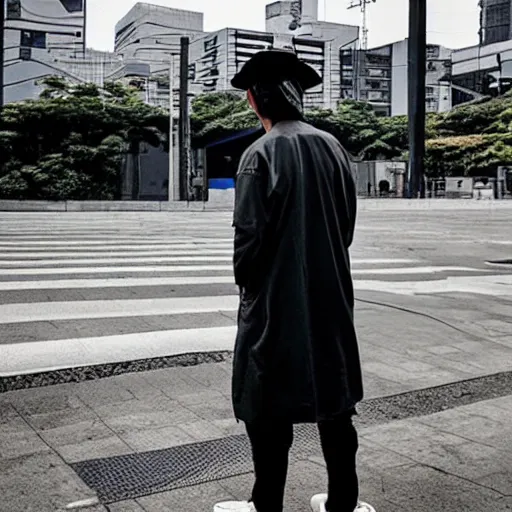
275,65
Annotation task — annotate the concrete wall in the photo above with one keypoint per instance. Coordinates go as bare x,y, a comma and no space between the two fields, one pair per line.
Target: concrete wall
399,78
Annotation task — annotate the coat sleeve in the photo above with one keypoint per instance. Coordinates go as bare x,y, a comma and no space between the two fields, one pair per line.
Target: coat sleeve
250,218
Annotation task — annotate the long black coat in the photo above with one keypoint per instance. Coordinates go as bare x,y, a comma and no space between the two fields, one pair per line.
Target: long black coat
296,355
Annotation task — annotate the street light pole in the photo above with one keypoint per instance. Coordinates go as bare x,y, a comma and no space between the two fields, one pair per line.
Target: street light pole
184,114
417,60
2,55
171,128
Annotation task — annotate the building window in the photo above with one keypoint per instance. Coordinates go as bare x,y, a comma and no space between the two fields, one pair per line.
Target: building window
377,85
377,60
347,58
13,9
497,23
32,39
73,5
432,51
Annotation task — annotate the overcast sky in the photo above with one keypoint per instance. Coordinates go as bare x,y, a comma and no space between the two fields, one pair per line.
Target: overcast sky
453,23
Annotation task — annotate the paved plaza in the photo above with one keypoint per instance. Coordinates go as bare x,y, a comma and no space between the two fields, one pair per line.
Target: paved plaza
147,302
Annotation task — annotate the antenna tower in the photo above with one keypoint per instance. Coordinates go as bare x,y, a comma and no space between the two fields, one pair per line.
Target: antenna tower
363,5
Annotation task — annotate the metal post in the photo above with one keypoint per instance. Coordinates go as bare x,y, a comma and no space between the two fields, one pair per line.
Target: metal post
171,128
2,55
184,118
417,60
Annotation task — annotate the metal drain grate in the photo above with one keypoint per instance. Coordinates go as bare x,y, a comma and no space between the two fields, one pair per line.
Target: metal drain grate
131,476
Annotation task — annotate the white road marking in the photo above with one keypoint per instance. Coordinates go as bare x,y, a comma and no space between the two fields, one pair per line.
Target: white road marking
42,356
152,243
123,282
47,311
113,270
495,285
113,252
105,261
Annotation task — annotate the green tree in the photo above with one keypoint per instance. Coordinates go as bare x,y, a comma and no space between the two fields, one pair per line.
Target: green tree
70,143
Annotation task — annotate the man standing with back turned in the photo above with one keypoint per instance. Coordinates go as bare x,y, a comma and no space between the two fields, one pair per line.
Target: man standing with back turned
296,357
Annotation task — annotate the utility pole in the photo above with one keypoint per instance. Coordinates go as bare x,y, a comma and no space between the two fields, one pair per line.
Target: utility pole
184,115
171,128
2,55
363,4
417,64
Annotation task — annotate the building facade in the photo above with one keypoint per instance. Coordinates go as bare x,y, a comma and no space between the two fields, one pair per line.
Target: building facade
146,39
380,77
495,21
481,70
37,33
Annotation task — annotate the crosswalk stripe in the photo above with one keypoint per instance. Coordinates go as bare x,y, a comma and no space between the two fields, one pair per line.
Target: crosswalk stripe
208,268
48,311
124,282
29,255
123,259
110,261
113,270
42,356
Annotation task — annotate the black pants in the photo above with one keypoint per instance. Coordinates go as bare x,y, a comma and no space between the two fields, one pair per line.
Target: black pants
271,443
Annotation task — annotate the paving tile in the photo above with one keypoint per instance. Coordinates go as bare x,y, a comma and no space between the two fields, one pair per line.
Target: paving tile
17,439
142,415
203,430
476,427
102,392
76,433
172,382
138,386
230,426
156,439
7,412
219,409
199,498
378,457
39,483
212,376
423,489
63,418
125,506
43,400
201,398
94,449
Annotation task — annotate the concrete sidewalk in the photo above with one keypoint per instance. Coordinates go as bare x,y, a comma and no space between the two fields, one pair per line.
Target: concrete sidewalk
453,452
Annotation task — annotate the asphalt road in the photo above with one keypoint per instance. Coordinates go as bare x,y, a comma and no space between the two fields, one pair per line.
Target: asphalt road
80,289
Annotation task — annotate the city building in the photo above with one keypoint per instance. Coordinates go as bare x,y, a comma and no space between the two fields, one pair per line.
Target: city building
146,39
481,70
92,66
495,21
37,32
380,77
215,58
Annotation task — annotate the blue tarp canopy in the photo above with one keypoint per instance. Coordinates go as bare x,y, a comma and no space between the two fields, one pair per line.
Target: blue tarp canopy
234,136
221,184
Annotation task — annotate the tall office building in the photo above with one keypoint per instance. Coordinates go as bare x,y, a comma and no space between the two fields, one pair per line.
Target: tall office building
37,32
495,21
379,76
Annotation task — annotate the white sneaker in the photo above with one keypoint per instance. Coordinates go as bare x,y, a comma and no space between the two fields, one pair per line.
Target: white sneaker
318,504
234,506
